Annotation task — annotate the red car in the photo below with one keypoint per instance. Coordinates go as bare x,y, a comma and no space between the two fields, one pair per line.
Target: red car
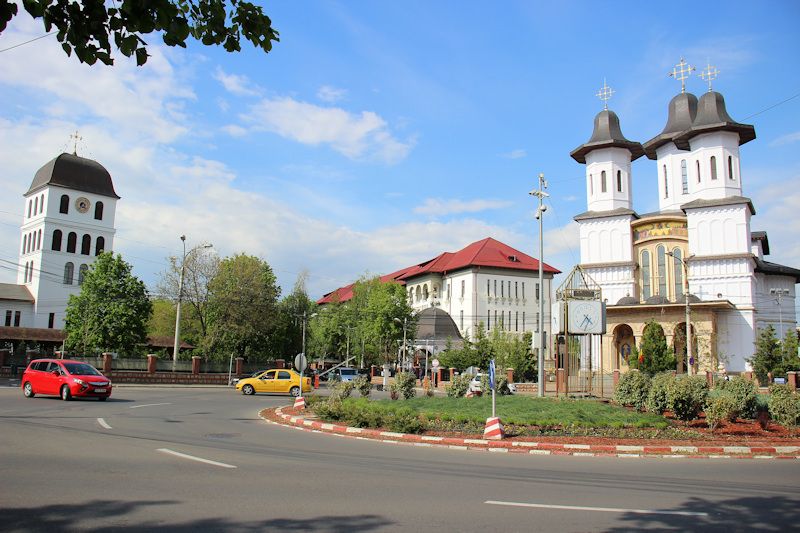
65,378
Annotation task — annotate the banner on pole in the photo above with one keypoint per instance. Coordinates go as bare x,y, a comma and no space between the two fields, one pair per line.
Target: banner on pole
491,374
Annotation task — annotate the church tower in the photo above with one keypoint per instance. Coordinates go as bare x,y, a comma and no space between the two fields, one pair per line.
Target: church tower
68,219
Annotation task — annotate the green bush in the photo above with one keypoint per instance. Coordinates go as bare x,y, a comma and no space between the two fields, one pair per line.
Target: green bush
632,389
687,396
362,416
485,384
333,409
364,385
783,405
743,391
405,420
459,386
501,384
722,407
342,389
658,398
404,383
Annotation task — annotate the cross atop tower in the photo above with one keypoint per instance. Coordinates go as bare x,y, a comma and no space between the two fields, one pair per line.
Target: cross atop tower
709,74
74,137
605,94
681,72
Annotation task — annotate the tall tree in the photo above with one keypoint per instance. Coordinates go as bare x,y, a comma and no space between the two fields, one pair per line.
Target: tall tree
199,268
653,355
87,27
377,305
112,310
292,309
242,309
768,357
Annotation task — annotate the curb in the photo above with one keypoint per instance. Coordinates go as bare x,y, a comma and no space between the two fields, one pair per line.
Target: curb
537,448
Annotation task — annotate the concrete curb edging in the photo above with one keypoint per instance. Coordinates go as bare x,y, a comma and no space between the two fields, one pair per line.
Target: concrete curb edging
538,448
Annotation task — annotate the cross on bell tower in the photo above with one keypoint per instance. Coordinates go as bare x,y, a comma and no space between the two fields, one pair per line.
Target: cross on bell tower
681,72
74,137
605,93
709,74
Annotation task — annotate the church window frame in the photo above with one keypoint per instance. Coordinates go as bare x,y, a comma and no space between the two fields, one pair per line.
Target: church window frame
713,164
98,211
63,207
41,203
666,183
463,287
86,244
684,177
677,269
55,243
730,168
17,318
39,240
69,272
36,206
603,186
72,242
461,320
8,318
30,208
24,243
523,322
488,288
25,275
698,170
82,270
591,184
619,181
661,269
645,262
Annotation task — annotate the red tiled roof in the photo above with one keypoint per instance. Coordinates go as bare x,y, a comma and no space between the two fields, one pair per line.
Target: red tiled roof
484,253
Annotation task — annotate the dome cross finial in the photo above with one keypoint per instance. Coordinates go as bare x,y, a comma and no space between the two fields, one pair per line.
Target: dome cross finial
709,74
605,94
74,137
681,72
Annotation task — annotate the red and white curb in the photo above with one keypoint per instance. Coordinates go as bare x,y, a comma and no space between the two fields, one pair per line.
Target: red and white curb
539,448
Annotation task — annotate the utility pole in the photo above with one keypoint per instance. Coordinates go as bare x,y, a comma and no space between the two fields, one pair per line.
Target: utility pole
779,293
689,349
177,344
541,195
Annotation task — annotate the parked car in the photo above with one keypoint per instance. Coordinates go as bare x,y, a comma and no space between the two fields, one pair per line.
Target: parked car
254,374
65,378
279,380
475,385
346,374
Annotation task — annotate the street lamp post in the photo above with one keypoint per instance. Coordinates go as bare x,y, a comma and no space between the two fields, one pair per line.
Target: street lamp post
541,195
689,350
405,326
304,358
176,346
779,293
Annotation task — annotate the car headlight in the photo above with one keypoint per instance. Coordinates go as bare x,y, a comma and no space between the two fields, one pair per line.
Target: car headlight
79,381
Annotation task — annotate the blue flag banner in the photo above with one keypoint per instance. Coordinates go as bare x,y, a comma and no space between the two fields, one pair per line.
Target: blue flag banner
491,374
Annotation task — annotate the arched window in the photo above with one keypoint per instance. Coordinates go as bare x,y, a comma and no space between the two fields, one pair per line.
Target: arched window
86,244
730,168
603,181
41,204
425,293
684,177
591,184
619,181
24,244
30,206
69,270
39,241
35,206
713,164
56,241
662,269
645,275
30,273
678,270
82,273
72,241
27,266
98,211
698,170
64,207
666,183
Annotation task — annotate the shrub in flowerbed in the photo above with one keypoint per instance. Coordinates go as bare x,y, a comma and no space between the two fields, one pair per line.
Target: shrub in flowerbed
687,396
743,391
364,385
405,420
459,386
342,389
632,389
721,407
783,405
658,397
404,383
332,409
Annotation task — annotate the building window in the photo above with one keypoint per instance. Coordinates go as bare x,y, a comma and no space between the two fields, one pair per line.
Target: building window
64,207
24,243
488,320
56,245
730,168
502,289
86,244
495,318
69,270
645,275
462,288
8,318
537,292
30,205
82,273
495,288
17,316
523,290
516,290
662,270
516,320
619,181
448,287
72,241
51,320
713,164
25,275
591,184
666,183
603,181
41,204
536,324
461,320
523,321
39,241
488,288
30,274
678,270
36,206
698,170
98,211
684,177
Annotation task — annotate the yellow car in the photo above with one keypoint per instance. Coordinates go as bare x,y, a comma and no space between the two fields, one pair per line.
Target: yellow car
275,381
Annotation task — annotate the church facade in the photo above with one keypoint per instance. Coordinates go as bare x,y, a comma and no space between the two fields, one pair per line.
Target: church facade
698,246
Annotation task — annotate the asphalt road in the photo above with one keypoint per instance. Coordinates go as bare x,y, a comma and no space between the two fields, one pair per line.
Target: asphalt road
200,459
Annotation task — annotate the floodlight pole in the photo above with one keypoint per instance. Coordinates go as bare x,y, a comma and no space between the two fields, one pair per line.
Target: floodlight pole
689,354
541,195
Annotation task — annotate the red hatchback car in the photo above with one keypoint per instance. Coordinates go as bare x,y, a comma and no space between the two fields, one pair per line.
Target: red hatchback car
65,378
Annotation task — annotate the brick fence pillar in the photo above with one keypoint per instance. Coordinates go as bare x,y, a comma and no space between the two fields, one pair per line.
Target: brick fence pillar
791,379
438,377
710,379
615,375
239,366
152,363
107,357
748,376
373,371
510,375
280,363
561,381
196,364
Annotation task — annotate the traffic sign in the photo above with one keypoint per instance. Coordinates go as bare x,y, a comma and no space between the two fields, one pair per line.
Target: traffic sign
300,362
491,374
435,364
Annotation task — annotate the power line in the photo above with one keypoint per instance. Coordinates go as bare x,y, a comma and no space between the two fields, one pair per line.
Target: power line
28,41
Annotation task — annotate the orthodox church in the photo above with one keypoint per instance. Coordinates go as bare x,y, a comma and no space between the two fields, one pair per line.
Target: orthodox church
696,255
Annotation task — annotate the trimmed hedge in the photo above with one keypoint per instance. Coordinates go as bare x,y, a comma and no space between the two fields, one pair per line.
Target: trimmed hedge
632,389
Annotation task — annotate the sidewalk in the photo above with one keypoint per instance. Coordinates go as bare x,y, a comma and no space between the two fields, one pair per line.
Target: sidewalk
310,423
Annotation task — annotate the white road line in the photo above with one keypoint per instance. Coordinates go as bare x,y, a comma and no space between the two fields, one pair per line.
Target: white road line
148,405
193,458
597,509
103,423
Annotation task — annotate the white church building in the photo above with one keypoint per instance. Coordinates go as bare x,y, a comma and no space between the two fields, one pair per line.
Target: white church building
702,233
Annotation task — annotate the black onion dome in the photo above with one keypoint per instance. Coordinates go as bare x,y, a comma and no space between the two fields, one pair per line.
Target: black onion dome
74,172
713,116
436,324
681,115
607,134
627,300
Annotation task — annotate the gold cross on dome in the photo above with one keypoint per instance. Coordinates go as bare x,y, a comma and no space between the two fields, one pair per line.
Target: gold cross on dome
605,94
709,74
74,137
681,72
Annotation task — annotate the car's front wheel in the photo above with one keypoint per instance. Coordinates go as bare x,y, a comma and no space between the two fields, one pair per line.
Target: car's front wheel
66,395
27,390
295,391
248,390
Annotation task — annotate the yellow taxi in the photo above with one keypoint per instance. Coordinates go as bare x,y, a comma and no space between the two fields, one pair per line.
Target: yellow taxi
279,380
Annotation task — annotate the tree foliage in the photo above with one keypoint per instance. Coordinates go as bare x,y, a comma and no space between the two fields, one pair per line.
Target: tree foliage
767,357
112,310
288,335
653,355
87,27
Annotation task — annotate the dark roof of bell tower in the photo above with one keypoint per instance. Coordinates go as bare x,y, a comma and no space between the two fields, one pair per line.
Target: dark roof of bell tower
682,113
74,172
607,134
713,116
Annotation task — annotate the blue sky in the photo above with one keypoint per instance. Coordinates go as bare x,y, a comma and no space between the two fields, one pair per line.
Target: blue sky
379,134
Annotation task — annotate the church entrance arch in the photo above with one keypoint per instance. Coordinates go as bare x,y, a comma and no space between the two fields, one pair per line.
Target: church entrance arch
624,343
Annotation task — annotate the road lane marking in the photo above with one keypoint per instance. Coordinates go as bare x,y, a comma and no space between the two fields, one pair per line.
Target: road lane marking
148,405
596,509
193,458
103,423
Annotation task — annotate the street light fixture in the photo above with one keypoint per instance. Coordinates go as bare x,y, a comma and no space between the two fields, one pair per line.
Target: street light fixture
404,322
176,346
689,355
541,195
779,293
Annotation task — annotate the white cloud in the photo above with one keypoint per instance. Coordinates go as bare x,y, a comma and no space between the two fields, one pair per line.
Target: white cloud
234,131
357,136
435,207
789,138
515,154
235,84
329,94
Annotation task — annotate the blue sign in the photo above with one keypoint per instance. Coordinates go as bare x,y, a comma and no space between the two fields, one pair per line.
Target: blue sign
491,374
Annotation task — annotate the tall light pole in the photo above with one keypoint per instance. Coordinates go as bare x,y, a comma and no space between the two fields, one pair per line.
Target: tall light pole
541,195
176,346
780,293
404,322
689,350
303,353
